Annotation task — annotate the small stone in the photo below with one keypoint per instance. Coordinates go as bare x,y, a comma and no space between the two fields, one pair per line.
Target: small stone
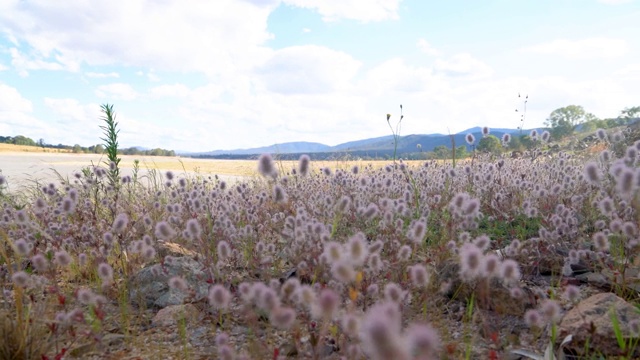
172,315
591,321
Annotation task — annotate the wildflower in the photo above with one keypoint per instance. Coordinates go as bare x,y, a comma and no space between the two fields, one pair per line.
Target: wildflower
343,204
21,217
282,317
62,258
592,172
423,341
22,247
357,248
404,253
164,231
371,212
219,297
572,293
506,139
267,298
266,166
105,272
375,263
471,261
351,325
625,183
546,136
492,265
601,134
381,333
326,304
178,283
533,135
533,318
120,223
551,311
68,205
333,250
303,165
485,131
483,242
224,251
279,195
169,175
194,229
510,271
418,275
343,271
85,296
40,263
418,231
20,278
601,241
470,139
393,293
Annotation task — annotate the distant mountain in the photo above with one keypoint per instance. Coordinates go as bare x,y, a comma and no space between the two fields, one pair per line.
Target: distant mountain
284,148
376,147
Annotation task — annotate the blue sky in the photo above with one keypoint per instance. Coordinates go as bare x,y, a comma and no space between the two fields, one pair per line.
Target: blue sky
203,75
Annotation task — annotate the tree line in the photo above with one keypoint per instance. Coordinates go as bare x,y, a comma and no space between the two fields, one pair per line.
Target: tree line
78,149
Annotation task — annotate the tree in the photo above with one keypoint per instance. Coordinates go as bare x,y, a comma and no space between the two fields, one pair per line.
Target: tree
442,152
630,113
490,144
563,121
76,149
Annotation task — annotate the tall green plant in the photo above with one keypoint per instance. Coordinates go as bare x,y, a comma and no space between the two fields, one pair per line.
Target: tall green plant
395,132
111,142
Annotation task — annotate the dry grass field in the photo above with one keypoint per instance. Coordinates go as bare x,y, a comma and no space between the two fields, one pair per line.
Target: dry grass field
23,148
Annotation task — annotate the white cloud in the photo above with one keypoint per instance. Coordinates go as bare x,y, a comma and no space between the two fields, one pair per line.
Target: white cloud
307,69
11,101
306,30
98,75
614,2
596,47
175,90
427,48
24,63
214,37
117,91
463,66
3,68
360,10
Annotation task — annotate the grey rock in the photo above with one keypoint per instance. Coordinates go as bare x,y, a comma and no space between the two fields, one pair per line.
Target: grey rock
153,289
590,322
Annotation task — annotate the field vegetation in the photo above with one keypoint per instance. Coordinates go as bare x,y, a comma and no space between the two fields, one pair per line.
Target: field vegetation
324,261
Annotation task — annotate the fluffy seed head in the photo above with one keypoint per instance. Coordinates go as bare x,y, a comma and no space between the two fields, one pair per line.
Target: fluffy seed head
471,261
572,293
601,241
62,258
533,318
105,272
510,271
219,297
342,271
120,223
224,251
470,139
194,229
326,304
22,247
592,173
266,166
20,278
551,311
178,283
424,341
419,276
164,231
282,317
357,248
303,165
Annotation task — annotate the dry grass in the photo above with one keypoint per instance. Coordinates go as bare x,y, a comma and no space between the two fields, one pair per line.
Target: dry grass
23,148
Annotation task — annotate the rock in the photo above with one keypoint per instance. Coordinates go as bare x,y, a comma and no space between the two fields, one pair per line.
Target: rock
153,290
495,297
590,321
174,249
173,314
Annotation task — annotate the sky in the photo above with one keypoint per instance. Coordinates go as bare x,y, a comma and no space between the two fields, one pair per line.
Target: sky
195,75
